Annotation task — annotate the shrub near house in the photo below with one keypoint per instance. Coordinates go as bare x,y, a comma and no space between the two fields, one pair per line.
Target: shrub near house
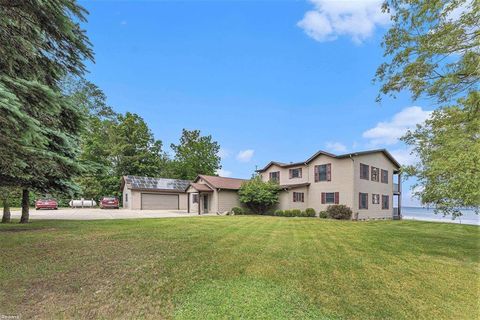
295,213
259,196
339,212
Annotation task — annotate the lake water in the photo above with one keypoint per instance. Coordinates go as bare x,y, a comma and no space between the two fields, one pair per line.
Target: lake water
425,214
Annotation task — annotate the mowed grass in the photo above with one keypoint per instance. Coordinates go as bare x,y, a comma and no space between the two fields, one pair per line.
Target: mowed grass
240,267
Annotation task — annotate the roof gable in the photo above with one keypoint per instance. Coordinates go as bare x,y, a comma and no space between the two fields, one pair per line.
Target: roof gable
384,151
328,154
222,182
201,187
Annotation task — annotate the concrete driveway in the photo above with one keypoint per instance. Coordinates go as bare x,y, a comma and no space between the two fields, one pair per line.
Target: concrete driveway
100,214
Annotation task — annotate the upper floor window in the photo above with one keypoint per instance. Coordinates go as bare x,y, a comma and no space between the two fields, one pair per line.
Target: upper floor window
295,173
298,197
385,202
384,176
364,171
375,199
330,198
323,172
363,200
275,176
375,174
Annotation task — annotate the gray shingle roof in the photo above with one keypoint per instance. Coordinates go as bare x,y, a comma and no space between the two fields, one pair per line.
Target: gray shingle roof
287,165
148,183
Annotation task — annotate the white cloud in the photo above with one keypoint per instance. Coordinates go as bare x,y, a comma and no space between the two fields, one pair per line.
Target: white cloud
245,155
224,173
224,153
356,19
389,132
336,147
404,156
458,10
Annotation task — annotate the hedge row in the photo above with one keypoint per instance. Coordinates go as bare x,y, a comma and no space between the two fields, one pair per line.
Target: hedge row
295,213
339,212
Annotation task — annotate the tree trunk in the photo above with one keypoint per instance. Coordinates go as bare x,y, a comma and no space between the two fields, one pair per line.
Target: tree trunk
6,211
25,206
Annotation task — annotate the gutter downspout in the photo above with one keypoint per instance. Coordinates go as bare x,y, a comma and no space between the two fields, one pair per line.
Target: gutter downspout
355,216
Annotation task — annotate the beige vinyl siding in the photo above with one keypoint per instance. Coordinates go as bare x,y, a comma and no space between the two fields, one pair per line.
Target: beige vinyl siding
345,179
341,182
193,206
227,199
135,200
374,211
286,199
126,198
182,201
285,174
283,201
212,200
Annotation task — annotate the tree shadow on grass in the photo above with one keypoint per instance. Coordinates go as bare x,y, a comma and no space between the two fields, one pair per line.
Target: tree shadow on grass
23,229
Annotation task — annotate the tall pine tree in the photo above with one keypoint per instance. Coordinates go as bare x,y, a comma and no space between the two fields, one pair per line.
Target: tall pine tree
40,43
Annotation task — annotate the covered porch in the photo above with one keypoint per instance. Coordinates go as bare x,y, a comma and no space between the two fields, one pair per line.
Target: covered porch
397,195
199,198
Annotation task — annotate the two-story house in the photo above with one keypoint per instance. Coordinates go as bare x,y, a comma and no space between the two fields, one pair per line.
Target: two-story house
368,182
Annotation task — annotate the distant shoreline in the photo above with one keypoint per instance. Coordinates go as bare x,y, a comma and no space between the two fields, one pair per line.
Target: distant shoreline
427,214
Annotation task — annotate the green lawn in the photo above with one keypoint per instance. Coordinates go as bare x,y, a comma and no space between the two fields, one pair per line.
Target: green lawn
240,267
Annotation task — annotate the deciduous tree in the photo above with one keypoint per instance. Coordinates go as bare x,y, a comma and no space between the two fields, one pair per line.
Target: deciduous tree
194,155
433,50
259,196
448,146
118,146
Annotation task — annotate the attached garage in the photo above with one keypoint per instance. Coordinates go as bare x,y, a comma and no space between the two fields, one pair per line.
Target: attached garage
146,193
153,201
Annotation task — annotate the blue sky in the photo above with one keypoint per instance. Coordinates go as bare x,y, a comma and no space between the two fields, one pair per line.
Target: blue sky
269,80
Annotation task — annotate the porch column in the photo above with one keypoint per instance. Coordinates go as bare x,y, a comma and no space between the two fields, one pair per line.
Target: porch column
188,202
199,206
400,196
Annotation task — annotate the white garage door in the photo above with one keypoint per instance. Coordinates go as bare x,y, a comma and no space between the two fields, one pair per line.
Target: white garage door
152,201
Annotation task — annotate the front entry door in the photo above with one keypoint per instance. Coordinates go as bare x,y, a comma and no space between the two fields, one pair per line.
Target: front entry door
205,203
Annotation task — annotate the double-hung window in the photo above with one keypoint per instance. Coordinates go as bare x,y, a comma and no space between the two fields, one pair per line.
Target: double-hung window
364,169
384,176
323,172
375,174
275,176
375,199
298,197
363,200
385,202
330,197
295,173
195,198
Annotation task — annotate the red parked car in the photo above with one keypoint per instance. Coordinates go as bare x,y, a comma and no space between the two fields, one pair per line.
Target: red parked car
109,203
46,204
